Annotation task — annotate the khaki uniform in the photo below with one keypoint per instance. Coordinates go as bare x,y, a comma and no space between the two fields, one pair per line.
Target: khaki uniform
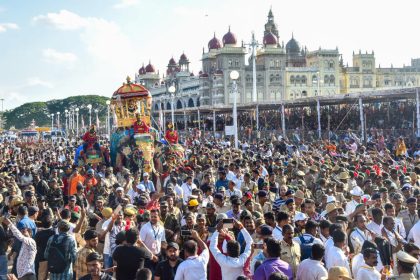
226,207
408,220
264,209
290,254
252,186
404,276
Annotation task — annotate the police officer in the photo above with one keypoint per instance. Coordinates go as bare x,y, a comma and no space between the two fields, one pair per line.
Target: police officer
405,266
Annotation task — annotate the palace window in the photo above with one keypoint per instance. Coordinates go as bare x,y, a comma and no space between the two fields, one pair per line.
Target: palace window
332,80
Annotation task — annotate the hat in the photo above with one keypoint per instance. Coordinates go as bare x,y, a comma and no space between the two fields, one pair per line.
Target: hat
330,207
376,196
141,187
300,217
398,196
411,200
29,193
72,198
266,230
221,216
383,190
288,201
219,196
262,193
406,187
129,211
93,257
145,174
356,191
172,245
300,173
90,234
344,175
290,192
100,198
164,204
405,257
331,198
16,202
193,202
106,212
90,171
338,273
299,194
313,168
222,189
32,210
119,189
211,205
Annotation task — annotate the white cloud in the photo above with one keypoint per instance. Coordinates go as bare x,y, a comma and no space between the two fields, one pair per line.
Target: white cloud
63,20
56,57
125,4
36,81
7,26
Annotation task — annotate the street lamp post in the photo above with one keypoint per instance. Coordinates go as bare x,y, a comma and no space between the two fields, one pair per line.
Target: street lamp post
66,114
172,90
234,75
90,114
108,125
58,120
77,121
52,122
97,120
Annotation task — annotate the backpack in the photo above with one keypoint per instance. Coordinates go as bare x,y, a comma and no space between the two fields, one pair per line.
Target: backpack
306,247
57,261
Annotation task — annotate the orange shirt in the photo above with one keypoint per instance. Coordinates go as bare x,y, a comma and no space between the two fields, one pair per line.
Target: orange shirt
73,181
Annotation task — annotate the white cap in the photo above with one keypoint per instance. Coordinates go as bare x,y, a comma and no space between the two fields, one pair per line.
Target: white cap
145,174
356,191
119,189
300,217
141,187
331,198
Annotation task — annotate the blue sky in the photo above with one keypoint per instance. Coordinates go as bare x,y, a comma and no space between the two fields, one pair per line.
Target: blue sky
52,49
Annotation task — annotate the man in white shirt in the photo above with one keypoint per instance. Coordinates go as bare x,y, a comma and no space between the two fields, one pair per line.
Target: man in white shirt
187,188
356,193
360,234
194,266
312,268
358,261
375,225
152,234
282,219
415,232
368,271
232,265
336,256
232,190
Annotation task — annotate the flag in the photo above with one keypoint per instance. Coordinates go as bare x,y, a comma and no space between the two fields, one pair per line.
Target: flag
83,124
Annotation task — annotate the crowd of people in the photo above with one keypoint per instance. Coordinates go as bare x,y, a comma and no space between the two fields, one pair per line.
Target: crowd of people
272,209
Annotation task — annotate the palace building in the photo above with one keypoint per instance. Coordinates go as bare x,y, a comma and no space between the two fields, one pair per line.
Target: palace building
283,72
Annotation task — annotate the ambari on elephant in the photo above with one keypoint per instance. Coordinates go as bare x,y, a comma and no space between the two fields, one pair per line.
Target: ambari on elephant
132,145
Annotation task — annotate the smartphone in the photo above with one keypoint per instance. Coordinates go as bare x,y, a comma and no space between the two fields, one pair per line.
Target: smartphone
258,245
228,223
118,209
185,232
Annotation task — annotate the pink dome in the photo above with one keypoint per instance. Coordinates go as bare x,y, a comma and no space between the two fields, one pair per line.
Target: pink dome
214,43
172,61
183,57
150,68
142,71
229,38
270,39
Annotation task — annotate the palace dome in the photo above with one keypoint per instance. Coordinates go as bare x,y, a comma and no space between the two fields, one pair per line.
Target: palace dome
229,38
